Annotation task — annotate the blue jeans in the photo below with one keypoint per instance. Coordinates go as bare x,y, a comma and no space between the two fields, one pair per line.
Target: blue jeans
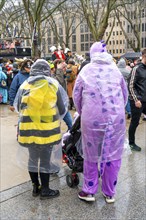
128,108
68,120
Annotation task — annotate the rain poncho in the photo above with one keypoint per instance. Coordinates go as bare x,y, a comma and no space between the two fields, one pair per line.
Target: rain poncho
41,102
100,96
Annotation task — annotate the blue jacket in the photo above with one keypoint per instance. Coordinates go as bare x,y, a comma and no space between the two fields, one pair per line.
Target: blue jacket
16,83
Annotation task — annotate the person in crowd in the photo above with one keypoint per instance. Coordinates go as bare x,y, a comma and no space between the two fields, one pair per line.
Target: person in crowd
100,95
3,87
71,74
86,61
137,90
68,55
22,75
57,71
126,74
40,102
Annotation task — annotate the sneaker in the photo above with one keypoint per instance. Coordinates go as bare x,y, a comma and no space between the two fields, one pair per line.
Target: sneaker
47,193
86,197
36,190
134,147
109,199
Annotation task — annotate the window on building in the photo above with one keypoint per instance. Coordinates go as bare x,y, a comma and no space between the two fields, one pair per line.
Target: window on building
113,42
73,47
91,37
74,38
73,29
117,32
49,40
120,50
117,41
113,33
142,13
81,28
86,28
143,27
120,32
110,42
120,41
86,47
113,51
60,31
49,32
117,51
60,22
82,38
86,37
54,40
82,47
61,39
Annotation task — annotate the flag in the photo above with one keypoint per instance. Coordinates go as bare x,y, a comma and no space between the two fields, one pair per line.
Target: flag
34,35
14,31
8,30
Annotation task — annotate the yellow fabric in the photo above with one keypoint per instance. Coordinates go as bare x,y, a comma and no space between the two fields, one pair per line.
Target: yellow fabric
39,140
39,126
43,112
40,100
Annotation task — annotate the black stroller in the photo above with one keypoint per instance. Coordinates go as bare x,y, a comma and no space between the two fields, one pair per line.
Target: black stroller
71,155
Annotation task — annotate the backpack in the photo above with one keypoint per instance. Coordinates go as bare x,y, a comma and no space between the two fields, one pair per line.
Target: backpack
70,75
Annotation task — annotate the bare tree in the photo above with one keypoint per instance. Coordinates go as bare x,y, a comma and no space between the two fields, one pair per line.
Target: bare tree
69,17
2,3
97,14
133,15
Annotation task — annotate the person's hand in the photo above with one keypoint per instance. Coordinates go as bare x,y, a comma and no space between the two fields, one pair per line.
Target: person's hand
138,104
12,108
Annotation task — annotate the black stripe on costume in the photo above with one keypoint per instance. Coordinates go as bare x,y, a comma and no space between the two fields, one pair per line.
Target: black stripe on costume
44,119
23,106
39,133
40,145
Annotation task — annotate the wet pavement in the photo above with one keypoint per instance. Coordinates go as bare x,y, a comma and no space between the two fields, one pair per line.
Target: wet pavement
17,202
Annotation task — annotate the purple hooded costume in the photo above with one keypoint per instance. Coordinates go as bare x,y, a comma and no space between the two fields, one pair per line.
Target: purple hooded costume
100,95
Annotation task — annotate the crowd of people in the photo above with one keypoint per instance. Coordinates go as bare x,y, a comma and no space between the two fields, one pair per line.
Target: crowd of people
99,88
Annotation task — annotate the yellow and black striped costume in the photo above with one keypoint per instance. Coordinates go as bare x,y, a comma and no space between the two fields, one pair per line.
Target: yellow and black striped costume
39,119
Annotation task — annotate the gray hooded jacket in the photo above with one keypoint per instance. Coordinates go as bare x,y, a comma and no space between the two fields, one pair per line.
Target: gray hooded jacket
122,67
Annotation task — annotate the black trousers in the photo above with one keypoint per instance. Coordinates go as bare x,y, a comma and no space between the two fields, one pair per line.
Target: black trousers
135,117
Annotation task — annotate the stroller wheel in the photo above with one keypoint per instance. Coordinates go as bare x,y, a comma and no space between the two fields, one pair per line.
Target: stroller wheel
72,180
69,180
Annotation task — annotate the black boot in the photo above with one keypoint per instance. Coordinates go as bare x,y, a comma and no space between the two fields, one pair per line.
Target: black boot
70,103
35,183
46,192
